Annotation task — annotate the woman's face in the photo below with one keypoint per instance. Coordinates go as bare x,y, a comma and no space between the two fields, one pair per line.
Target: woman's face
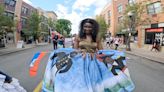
88,28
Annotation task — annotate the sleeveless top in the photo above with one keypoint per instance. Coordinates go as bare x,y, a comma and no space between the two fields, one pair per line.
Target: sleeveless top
88,46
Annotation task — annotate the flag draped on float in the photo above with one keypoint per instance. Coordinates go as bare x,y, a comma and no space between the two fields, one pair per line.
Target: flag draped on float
34,64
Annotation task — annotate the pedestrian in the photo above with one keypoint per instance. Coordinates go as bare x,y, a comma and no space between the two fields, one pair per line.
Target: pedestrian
55,41
61,42
83,69
116,42
107,41
155,45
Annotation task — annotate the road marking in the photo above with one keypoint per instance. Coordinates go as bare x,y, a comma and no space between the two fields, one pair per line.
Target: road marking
38,88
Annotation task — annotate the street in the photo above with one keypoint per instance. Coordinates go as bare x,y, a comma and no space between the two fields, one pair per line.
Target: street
17,65
147,75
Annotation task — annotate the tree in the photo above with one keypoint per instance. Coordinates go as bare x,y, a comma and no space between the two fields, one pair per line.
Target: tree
102,25
51,23
63,26
34,22
6,23
132,22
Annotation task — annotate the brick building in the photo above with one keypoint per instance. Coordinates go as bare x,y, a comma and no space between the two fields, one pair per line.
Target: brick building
113,13
9,10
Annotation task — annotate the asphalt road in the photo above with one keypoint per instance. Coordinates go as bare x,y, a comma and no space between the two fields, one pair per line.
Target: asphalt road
17,65
148,76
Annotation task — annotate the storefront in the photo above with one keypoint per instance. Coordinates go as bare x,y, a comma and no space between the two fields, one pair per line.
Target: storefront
154,33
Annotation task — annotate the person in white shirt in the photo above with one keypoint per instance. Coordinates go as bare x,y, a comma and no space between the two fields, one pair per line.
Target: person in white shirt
116,42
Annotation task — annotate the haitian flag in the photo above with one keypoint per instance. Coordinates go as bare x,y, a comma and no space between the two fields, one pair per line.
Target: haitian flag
35,63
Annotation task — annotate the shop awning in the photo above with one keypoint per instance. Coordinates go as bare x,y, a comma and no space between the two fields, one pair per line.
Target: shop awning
154,30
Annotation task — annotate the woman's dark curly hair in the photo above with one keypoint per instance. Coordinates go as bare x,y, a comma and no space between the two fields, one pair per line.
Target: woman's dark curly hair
95,29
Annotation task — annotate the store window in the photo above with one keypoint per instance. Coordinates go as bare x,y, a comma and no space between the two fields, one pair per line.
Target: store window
154,33
149,36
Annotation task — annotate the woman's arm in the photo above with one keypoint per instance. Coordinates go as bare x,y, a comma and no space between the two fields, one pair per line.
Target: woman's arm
99,45
76,44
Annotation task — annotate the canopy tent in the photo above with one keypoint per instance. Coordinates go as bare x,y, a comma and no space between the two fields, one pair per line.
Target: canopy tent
55,33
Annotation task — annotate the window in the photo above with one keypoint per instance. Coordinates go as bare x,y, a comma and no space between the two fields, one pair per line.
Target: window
109,22
131,1
120,8
154,25
10,2
24,10
24,22
7,2
109,13
154,8
11,15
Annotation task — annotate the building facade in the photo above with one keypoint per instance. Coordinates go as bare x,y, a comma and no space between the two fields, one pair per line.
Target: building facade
113,14
20,11
9,10
25,13
154,11
52,15
155,28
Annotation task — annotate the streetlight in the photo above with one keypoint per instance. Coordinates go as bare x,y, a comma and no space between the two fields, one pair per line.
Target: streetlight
130,15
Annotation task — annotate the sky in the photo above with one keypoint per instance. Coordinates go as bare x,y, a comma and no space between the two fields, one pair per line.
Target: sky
73,10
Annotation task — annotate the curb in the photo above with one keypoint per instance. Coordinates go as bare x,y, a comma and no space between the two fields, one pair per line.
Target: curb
18,50
153,60
10,52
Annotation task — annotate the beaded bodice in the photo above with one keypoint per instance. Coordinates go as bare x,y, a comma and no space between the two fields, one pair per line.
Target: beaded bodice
88,46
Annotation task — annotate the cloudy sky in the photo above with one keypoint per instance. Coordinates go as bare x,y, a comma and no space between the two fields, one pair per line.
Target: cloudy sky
73,10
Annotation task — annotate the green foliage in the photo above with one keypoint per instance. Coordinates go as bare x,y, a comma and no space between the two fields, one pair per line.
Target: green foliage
63,26
138,10
34,22
102,25
6,23
26,32
51,23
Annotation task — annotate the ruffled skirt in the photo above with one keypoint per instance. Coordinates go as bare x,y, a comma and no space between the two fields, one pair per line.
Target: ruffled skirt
104,71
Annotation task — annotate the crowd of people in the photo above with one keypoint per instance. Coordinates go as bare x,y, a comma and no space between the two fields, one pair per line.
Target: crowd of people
113,42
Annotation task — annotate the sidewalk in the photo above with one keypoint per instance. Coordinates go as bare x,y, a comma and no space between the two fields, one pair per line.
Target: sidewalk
11,48
141,52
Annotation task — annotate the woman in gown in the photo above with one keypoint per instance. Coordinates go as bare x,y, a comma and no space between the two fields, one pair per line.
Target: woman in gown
87,67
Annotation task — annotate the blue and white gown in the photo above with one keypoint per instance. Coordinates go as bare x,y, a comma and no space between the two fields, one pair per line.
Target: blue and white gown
71,70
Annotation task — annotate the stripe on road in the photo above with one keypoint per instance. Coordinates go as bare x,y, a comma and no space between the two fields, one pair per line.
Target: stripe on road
38,88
